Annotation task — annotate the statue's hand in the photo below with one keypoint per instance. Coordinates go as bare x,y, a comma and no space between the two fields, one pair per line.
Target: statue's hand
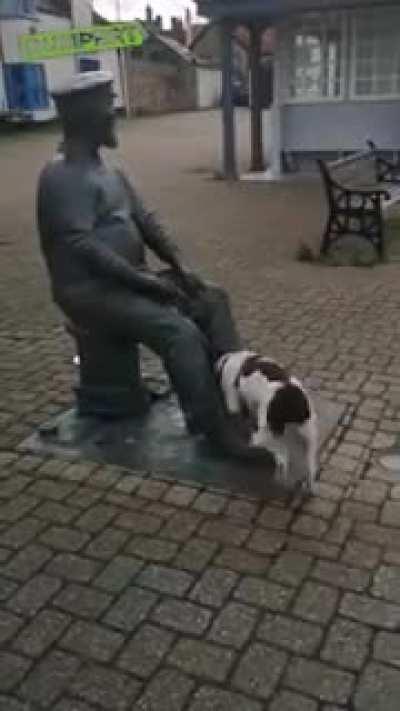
169,292
191,283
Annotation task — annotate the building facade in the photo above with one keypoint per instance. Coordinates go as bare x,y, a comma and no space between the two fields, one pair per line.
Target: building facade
25,86
336,73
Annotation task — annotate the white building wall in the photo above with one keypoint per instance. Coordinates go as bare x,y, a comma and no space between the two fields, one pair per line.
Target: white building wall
57,70
209,87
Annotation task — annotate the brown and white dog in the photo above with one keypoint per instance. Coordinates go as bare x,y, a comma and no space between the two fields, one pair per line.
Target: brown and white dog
277,404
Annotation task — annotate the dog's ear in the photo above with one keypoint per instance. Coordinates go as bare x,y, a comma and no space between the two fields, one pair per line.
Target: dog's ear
288,405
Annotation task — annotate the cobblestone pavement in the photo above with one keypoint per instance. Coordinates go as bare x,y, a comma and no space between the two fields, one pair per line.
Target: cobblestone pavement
122,592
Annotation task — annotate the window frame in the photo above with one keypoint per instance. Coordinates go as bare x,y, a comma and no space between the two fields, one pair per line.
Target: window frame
353,96
289,36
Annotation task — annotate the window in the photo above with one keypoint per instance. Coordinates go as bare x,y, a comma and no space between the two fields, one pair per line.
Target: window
26,86
376,54
315,57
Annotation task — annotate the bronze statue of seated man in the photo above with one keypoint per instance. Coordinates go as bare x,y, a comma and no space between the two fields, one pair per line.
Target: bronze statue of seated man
94,231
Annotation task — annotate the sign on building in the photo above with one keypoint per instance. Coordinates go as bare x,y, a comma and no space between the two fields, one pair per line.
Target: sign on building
59,43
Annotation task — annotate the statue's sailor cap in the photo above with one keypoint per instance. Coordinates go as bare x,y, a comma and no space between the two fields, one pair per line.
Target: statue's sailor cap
82,83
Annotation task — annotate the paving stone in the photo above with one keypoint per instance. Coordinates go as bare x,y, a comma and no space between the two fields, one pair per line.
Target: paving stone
71,705
41,633
242,510
27,562
138,522
372,612
214,587
9,625
316,603
387,648
160,509
82,601
392,557
56,512
14,485
234,625
378,689
5,554
361,554
386,583
202,659
34,595
96,518
8,703
357,511
320,508
347,644
266,542
196,555
370,492
93,641
73,567
209,698
290,568
165,580
339,530
128,484
7,588
309,526
242,561
264,593
21,533
145,652
152,489
119,573
259,670
320,549
293,635
223,532
182,616
112,690
65,539
341,576
131,609
52,467
107,544
105,477
167,691
49,489
79,472
154,549
84,497
319,680
179,495
288,701
391,514
272,517
13,668
378,535
49,679
331,489
210,503
181,526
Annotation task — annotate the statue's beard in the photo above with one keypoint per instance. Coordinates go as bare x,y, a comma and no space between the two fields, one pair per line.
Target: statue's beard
109,138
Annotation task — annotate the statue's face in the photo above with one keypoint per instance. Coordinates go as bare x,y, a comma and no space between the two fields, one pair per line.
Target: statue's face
104,116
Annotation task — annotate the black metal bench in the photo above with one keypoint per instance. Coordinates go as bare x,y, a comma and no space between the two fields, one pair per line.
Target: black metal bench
356,187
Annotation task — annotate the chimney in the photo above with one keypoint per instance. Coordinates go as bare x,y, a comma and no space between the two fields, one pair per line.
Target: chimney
149,14
177,30
188,27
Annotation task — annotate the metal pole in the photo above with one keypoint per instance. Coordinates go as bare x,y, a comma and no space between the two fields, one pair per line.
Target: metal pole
229,147
257,153
123,66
